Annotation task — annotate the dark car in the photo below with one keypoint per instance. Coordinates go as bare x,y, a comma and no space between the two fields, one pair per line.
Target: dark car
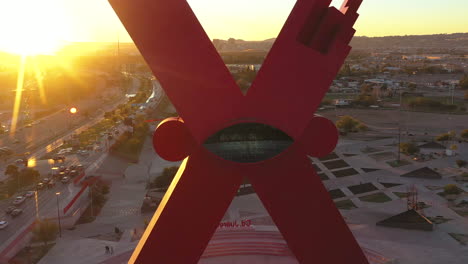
72,167
51,184
80,167
59,158
10,209
16,212
40,186
73,173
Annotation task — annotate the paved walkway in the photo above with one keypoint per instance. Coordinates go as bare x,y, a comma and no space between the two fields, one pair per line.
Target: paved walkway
86,243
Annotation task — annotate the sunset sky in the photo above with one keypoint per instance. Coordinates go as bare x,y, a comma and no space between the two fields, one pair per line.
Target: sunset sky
49,22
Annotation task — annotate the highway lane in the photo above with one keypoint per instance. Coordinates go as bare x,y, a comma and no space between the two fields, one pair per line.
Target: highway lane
42,137
46,201
47,198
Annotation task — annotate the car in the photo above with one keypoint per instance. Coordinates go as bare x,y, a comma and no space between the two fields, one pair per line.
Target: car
19,161
51,184
19,200
16,212
29,194
10,209
62,168
80,167
45,180
72,167
40,186
65,179
73,173
59,158
61,175
28,125
3,224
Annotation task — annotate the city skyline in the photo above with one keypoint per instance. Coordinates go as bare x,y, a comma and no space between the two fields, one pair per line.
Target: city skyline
95,21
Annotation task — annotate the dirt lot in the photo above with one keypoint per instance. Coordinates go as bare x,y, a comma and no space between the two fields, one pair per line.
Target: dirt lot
413,122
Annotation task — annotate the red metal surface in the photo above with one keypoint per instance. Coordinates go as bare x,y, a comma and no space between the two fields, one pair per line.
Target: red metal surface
70,204
295,76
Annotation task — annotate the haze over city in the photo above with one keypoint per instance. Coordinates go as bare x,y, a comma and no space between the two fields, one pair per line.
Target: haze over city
50,24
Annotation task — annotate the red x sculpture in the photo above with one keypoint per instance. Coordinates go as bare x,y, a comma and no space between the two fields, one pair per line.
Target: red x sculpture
295,76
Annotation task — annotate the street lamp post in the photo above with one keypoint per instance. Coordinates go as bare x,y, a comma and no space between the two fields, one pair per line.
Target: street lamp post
399,127
57,194
37,204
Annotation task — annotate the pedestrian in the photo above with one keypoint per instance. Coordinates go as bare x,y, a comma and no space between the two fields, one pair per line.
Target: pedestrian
112,250
107,250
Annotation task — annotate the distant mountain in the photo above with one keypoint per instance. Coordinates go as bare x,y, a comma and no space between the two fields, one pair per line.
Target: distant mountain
458,41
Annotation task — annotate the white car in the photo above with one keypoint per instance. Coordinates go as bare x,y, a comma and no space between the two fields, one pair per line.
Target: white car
29,194
3,224
19,200
65,179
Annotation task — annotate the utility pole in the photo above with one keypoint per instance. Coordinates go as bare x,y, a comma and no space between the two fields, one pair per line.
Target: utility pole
91,193
399,127
37,204
57,194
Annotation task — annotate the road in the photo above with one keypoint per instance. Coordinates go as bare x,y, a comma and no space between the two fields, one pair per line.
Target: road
47,198
47,206
41,136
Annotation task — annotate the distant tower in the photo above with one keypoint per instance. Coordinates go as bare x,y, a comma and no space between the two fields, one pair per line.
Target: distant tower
412,199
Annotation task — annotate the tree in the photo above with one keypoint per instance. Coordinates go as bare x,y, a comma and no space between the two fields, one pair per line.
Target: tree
464,82
28,176
97,196
408,148
45,231
108,115
349,124
461,163
452,134
166,177
443,137
451,189
12,170
464,134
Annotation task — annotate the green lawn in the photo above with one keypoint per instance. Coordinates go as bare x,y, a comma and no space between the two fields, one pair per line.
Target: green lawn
375,198
345,204
401,194
396,163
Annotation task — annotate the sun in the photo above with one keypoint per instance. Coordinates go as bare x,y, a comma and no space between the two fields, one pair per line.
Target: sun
31,27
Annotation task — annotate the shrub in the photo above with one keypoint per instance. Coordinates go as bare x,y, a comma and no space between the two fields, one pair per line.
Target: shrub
451,189
443,137
408,148
461,163
349,124
464,134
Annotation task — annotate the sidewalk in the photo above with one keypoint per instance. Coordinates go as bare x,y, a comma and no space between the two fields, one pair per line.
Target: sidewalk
86,243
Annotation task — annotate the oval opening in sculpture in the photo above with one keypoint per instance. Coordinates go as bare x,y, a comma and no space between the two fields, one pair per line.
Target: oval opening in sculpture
248,142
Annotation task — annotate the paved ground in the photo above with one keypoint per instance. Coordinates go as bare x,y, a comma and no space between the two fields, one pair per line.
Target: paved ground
83,245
